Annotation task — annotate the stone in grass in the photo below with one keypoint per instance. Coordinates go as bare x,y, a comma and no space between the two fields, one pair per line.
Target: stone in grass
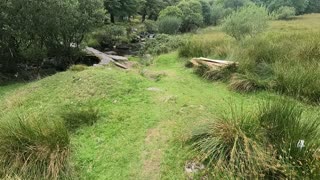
193,167
155,89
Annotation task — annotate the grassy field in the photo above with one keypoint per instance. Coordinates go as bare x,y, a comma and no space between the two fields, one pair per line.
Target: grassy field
145,114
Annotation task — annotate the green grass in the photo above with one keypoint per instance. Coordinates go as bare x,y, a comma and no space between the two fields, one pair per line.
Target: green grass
140,133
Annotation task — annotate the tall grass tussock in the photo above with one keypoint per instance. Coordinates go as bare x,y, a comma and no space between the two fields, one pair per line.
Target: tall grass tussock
34,148
231,146
275,142
285,128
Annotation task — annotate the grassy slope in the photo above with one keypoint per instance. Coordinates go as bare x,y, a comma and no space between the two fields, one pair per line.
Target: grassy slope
141,132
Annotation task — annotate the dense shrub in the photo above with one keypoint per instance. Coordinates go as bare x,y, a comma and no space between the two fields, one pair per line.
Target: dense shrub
109,36
151,26
169,25
162,43
34,148
285,13
171,11
247,21
285,128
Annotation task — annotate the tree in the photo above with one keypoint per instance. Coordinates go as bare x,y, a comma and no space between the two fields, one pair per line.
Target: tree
172,11
34,29
121,8
206,12
247,21
313,6
285,13
299,5
233,4
192,15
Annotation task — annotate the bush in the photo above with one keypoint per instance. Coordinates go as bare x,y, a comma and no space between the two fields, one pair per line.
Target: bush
285,13
285,128
34,148
229,146
151,26
78,67
109,36
80,115
247,21
171,11
169,25
162,43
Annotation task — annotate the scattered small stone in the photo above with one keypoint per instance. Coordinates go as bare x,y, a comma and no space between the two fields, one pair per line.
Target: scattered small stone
154,89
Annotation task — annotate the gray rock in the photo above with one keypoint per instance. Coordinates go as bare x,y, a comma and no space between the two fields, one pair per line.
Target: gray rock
110,53
118,58
193,167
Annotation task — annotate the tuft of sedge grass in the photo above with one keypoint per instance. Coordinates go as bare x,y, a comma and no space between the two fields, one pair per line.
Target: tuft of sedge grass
301,80
34,148
215,74
248,83
82,114
231,145
284,128
78,67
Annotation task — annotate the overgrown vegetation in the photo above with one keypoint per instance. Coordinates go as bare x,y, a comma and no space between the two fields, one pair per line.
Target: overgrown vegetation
34,148
275,143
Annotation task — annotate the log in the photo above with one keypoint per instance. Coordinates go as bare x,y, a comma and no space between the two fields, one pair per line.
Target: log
212,63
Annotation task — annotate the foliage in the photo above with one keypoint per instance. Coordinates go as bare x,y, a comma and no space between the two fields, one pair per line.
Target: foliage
162,43
37,29
121,8
217,15
34,148
171,11
313,6
285,127
299,5
192,15
151,26
206,12
248,21
169,25
285,13
110,35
